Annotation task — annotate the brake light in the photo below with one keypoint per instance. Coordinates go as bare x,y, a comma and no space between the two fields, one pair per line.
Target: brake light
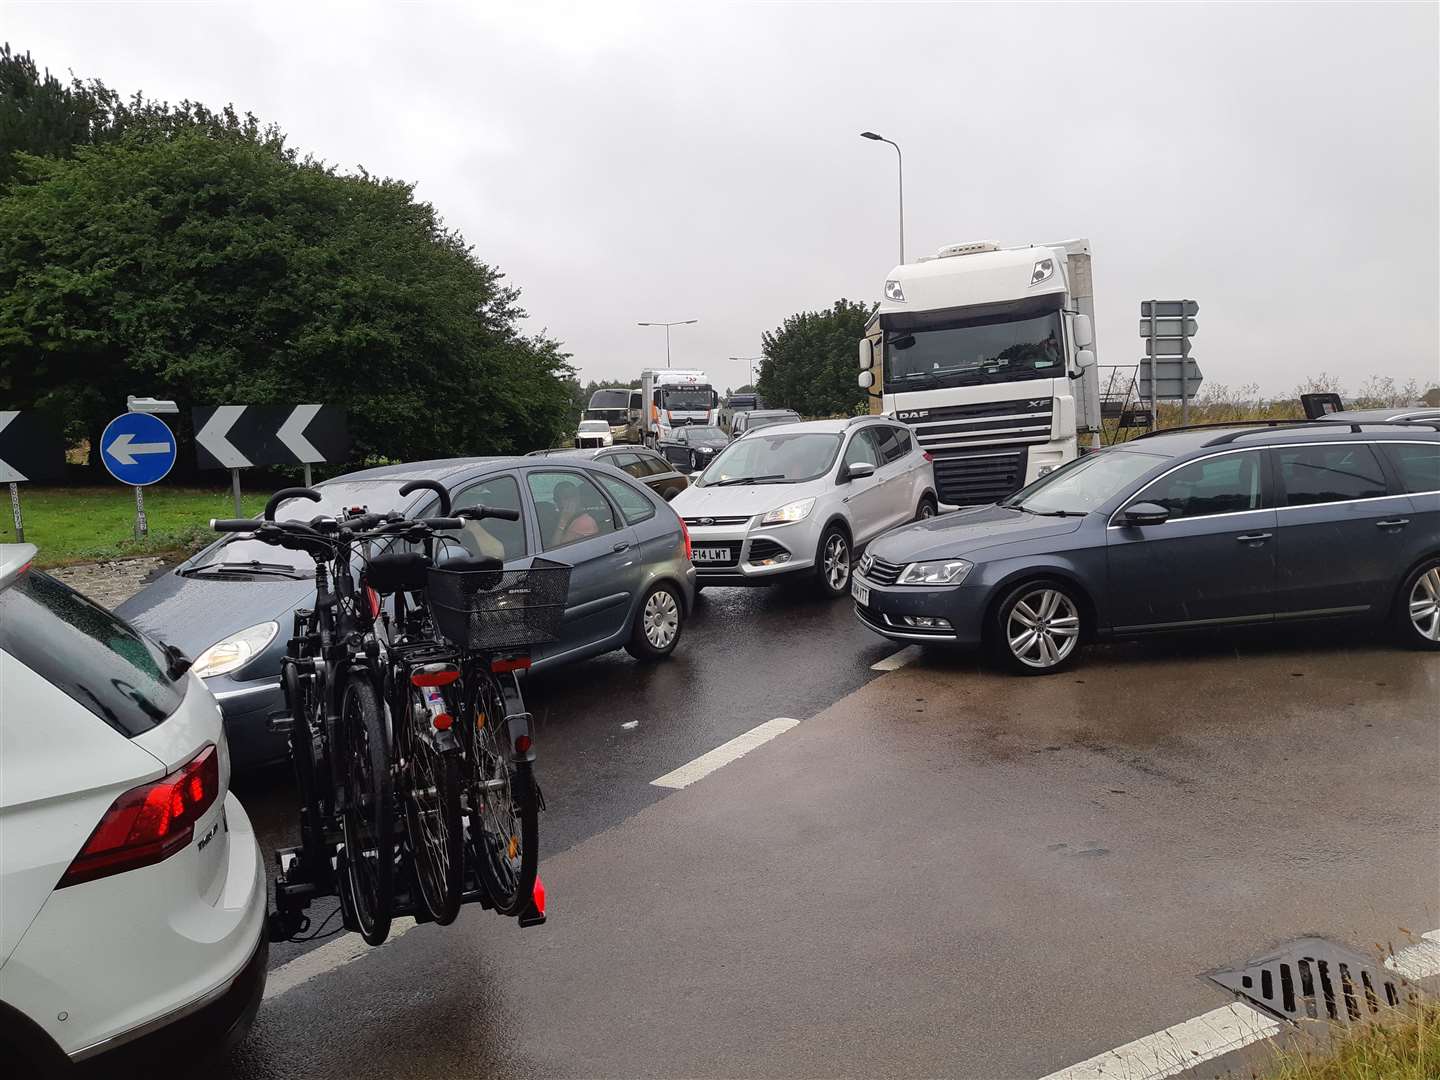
928,456
434,675
685,532
149,823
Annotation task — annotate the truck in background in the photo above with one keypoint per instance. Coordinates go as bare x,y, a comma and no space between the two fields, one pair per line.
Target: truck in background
988,354
613,406
675,397
736,404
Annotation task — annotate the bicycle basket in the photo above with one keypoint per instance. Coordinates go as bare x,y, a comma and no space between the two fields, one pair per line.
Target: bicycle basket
489,610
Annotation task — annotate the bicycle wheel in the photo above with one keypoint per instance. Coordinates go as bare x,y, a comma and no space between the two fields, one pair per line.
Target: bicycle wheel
432,813
504,825
369,810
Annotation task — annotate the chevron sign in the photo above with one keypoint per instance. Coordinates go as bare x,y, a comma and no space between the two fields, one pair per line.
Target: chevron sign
239,436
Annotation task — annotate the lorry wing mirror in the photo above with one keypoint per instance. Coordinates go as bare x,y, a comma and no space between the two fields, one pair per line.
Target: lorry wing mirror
866,380
1083,359
1144,513
867,353
1084,332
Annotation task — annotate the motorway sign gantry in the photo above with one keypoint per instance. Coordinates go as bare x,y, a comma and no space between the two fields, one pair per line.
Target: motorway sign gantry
239,436
137,449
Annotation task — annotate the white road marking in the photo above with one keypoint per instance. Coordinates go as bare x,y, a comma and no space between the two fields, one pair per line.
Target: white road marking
725,753
1177,1048
630,725
328,957
895,661
1418,961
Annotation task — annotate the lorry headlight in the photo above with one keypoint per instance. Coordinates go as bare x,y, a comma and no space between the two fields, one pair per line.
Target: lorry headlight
235,651
941,572
893,291
796,511
1044,271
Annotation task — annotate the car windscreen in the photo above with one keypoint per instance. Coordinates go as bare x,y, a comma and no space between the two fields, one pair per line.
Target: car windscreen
786,457
1085,484
594,425
706,436
88,653
237,554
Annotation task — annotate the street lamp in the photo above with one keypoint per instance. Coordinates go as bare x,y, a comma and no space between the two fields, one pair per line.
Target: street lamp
900,162
667,325
750,360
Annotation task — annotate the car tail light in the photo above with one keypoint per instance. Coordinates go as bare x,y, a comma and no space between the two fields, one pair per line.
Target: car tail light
149,823
685,532
928,456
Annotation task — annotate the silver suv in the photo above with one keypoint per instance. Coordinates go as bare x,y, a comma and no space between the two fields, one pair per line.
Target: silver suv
800,499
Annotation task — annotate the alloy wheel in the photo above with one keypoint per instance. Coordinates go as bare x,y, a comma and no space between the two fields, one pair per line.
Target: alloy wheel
662,618
837,562
1425,604
1043,628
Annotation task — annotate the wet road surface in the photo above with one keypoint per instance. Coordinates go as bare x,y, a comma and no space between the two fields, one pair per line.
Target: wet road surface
940,871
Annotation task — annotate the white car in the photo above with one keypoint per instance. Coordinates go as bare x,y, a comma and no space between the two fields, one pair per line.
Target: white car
132,894
802,498
594,433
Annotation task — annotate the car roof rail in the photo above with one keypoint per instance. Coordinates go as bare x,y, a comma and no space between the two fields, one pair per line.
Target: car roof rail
1218,424
862,418
1355,426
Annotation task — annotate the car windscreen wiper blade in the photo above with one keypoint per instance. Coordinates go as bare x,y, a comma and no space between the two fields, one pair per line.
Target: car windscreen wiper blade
1047,513
252,567
732,480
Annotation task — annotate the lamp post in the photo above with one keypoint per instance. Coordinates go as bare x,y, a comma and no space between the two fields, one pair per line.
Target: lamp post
900,163
667,325
750,360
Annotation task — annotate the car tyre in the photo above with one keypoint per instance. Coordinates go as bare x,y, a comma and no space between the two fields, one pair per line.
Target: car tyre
1037,627
927,508
1417,608
658,623
834,561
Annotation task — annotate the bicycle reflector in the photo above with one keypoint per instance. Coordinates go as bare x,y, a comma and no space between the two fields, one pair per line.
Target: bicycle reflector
507,664
539,895
434,675
522,744
149,823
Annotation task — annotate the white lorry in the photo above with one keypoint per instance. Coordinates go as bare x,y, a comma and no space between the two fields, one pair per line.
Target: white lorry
675,397
988,354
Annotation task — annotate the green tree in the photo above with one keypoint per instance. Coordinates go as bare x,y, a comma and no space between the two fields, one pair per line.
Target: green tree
809,363
195,257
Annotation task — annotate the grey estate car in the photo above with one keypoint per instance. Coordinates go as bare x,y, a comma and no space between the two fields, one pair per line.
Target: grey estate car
632,585
1187,529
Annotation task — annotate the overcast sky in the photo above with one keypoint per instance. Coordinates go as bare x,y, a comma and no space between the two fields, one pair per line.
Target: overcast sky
1277,163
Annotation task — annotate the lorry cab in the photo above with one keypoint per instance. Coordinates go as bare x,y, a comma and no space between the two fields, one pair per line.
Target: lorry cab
987,354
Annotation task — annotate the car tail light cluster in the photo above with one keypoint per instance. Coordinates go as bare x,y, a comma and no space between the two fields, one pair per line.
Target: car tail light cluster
149,823
927,455
685,532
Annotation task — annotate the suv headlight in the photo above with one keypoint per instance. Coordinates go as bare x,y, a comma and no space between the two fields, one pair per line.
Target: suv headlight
235,651
940,572
796,511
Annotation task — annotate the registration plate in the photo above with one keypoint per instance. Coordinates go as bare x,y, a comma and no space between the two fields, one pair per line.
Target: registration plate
860,592
710,554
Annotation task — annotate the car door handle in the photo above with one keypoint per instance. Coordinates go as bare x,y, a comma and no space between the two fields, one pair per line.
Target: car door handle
620,547
1393,523
1253,538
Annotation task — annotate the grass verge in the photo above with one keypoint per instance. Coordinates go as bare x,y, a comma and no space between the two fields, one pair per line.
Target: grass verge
1405,1046
88,524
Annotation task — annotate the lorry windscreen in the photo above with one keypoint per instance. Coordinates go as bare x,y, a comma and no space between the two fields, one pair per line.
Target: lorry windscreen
964,352
687,398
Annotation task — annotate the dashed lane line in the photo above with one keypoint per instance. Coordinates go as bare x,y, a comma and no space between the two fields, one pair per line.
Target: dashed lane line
897,660
328,957
724,754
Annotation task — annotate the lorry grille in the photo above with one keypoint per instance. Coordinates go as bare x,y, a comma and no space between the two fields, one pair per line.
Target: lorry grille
987,423
976,479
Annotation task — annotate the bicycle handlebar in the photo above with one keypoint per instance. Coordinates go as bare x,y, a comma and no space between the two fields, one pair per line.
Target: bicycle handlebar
235,524
476,513
287,493
439,524
430,485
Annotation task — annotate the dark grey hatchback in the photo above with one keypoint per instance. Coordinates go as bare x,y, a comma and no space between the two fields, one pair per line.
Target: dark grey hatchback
1188,529
632,584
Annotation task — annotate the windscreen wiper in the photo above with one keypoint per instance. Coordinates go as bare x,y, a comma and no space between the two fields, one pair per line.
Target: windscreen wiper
252,567
732,480
1048,513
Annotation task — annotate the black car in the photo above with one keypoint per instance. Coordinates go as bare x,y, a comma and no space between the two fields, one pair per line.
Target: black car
643,464
691,449
1178,530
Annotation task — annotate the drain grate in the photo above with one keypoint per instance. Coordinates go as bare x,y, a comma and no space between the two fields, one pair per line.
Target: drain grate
1316,979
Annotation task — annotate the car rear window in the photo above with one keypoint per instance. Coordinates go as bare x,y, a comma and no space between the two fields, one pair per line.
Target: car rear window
1417,463
1329,472
88,653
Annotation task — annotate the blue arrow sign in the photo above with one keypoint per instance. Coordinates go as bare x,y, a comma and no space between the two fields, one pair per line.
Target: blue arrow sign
137,448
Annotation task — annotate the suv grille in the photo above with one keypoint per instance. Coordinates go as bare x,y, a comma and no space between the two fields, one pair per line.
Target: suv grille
712,522
981,478
880,571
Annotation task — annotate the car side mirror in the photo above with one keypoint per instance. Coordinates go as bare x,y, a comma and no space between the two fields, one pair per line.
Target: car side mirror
858,471
1144,513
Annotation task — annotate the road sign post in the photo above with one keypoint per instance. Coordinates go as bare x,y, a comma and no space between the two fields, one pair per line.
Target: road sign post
29,450
15,512
1167,327
138,449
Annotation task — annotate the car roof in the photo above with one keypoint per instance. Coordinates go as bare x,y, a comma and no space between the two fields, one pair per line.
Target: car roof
436,469
1412,412
833,427
1179,441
